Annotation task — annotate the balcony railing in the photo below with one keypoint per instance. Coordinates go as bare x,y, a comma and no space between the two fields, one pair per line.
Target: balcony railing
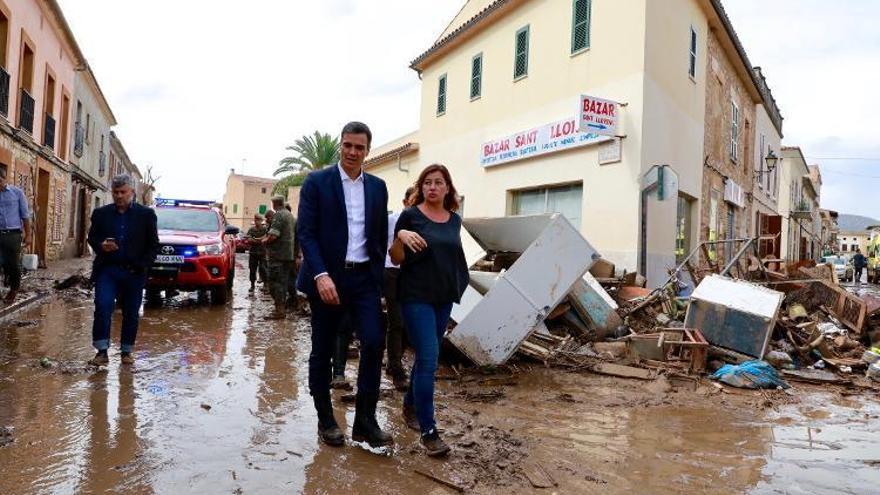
102,163
49,132
4,92
79,135
26,112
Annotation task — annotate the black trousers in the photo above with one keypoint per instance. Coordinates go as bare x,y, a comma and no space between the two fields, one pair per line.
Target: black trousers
10,257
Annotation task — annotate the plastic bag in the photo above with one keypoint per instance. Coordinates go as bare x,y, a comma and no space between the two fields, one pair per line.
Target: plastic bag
750,374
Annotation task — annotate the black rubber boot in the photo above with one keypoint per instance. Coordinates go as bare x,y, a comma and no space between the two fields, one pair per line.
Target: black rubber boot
366,428
328,430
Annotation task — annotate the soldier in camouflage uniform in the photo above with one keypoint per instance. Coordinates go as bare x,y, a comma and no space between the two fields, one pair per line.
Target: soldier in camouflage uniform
257,254
281,256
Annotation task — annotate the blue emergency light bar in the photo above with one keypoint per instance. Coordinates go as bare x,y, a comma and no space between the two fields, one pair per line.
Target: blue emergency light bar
183,202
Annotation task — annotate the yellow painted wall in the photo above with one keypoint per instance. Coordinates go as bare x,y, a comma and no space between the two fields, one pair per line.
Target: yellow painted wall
638,55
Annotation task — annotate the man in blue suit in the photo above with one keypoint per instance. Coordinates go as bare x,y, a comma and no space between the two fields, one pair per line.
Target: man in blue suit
125,239
342,229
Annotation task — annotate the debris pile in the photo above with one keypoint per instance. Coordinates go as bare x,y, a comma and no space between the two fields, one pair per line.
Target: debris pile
541,292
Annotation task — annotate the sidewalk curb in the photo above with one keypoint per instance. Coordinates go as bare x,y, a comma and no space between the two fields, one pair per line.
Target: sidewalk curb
8,312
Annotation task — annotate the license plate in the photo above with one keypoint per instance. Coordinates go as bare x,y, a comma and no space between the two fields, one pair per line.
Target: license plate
169,259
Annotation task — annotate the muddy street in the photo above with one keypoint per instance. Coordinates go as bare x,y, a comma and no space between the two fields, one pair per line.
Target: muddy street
218,403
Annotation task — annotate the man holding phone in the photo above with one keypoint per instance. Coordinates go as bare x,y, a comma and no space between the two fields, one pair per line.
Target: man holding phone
125,240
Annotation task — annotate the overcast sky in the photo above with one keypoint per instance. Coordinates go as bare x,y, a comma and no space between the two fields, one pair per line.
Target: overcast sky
200,86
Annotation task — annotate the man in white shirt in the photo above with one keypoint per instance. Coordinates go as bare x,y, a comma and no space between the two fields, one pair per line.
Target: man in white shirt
342,228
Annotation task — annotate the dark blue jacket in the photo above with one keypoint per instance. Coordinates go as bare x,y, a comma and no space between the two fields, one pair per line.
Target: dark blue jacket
140,245
322,227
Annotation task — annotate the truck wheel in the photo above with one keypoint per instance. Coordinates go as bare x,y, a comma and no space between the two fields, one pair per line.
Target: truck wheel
154,297
220,294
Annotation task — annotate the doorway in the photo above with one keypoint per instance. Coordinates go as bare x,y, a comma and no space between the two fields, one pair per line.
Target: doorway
42,215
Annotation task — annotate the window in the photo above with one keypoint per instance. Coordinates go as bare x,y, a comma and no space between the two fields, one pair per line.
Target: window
734,130
844,247
263,190
713,224
477,76
580,25
234,208
521,58
760,165
561,199
65,123
692,54
683,228
441,95
88,128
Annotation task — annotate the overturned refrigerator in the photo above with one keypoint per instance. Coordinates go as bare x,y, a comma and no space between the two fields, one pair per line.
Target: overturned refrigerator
531,264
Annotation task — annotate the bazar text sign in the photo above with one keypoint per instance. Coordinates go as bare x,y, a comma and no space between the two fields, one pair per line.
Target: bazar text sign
549,138
598,116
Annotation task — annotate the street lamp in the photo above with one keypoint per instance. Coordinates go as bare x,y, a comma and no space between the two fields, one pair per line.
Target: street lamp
771,159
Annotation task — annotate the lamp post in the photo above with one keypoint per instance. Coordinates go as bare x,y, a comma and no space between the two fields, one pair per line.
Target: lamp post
771,159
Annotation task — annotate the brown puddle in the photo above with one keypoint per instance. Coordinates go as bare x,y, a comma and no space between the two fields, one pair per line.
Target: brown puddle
144,430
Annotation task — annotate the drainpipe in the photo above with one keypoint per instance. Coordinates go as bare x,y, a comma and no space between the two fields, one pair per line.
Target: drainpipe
400,164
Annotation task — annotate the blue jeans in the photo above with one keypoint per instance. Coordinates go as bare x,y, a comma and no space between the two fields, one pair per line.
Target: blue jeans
114,282
425,324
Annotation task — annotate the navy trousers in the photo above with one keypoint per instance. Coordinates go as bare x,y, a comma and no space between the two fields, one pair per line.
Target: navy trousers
112,282
360,295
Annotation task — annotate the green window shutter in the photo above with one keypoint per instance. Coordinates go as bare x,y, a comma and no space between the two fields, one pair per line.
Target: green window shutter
234,208
263,209
521,60
441,95
580,25
477,76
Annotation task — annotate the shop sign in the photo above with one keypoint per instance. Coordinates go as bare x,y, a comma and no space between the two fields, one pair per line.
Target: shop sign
549,138
597,115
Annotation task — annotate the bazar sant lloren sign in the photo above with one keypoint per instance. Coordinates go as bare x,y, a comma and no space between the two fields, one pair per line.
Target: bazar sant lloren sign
595,122
548,138
598,116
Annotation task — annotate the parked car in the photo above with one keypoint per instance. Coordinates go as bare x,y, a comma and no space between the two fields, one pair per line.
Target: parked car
843,267
242,243
196,251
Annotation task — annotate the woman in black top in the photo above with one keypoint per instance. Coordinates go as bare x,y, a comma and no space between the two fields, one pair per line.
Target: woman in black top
433,276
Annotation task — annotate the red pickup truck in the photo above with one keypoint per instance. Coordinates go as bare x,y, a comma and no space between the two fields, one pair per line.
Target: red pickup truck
196,252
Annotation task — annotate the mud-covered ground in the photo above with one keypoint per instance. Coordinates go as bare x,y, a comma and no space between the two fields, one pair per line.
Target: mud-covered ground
218,403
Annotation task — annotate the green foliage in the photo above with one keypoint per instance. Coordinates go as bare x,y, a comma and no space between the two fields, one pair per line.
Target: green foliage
310,153
291,180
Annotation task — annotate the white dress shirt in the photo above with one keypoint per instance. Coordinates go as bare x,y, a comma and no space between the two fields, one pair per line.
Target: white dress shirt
392,222
356,209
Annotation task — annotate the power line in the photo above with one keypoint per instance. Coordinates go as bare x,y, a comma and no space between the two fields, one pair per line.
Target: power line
848,158
850,174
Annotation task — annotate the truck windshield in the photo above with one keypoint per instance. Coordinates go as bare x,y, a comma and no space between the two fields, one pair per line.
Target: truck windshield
185,219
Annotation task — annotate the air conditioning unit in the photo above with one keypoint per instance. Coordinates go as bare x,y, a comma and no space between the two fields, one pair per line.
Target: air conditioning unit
734,194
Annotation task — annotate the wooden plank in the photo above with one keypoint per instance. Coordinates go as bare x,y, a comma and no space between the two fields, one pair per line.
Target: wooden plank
442,481
623,371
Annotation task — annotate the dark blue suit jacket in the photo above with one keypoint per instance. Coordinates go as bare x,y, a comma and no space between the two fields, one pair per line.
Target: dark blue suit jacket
141,243
322,227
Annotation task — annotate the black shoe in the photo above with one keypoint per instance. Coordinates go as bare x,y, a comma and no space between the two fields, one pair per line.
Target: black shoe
100,359
366,428
434,445
410,418
400,381
328,430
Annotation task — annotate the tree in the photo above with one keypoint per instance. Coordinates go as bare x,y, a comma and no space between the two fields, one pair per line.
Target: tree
291,180
149,185
310,153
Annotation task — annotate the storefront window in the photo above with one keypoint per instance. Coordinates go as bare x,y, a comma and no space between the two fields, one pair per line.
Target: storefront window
683,229
564,199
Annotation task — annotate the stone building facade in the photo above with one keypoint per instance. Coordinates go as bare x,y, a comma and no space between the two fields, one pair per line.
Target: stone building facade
725,211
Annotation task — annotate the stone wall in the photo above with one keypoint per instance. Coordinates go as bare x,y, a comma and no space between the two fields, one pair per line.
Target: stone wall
723,87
